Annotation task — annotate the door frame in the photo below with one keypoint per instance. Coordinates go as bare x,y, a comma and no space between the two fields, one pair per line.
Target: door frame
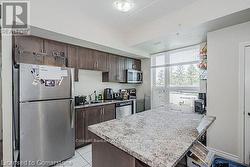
241,98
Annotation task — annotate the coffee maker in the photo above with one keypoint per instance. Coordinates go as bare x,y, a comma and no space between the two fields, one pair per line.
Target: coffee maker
201,103
108,94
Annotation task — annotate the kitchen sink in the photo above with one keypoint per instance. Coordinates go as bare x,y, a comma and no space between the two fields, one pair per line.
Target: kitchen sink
95,102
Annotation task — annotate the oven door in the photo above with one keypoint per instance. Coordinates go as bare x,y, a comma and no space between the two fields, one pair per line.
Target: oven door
134,76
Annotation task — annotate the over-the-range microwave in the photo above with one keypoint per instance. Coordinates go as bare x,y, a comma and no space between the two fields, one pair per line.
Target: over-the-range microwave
134,76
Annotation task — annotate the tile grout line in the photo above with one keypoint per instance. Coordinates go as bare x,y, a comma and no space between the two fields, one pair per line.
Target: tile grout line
84,158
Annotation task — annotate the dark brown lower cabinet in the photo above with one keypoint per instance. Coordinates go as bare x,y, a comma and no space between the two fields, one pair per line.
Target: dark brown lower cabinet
90,116
106,155
108,112
140,164
79,128
93,116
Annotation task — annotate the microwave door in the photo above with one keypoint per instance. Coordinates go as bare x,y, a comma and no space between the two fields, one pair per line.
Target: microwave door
130,76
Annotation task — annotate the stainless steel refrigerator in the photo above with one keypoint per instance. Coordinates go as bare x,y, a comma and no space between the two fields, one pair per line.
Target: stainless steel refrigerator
44,113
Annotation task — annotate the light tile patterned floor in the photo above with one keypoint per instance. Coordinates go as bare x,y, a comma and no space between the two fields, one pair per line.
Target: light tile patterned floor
82,158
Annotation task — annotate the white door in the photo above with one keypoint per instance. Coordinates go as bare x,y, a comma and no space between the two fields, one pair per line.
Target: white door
247,105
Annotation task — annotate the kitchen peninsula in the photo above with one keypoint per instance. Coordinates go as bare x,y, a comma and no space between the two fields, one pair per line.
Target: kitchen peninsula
155,138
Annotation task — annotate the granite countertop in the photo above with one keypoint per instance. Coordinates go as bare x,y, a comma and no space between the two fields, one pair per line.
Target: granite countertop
102,102
158,137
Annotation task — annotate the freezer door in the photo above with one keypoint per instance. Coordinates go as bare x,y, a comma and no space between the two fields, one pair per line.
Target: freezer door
32,89
46,131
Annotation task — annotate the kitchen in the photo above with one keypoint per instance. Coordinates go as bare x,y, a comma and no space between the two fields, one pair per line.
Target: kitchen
135,83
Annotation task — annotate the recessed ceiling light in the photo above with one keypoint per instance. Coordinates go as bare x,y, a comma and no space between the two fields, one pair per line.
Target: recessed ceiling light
124,5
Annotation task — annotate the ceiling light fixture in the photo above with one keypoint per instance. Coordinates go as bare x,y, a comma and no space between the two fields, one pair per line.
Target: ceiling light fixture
124,5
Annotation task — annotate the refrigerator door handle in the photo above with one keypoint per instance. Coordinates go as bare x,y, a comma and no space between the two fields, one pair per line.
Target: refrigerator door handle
72,113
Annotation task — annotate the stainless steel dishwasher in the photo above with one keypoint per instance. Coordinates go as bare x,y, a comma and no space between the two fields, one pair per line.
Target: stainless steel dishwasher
123,109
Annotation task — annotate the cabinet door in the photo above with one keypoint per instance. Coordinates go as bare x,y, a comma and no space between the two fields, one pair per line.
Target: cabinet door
117,69
121,69
56,53
28,49
79,128
140,164
108,112
100,59
85,59
72,56
134,64
129,63
113,70
137,65
72,59
93,116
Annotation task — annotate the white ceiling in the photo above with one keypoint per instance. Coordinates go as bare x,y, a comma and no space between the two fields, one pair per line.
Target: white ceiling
143,13
150,27
194,35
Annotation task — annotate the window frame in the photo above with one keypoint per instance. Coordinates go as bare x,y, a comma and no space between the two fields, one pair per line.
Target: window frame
166,88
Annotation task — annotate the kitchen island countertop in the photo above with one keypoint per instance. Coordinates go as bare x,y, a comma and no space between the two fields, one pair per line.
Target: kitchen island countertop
159,137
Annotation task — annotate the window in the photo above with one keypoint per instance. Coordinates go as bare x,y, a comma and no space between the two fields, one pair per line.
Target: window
175,77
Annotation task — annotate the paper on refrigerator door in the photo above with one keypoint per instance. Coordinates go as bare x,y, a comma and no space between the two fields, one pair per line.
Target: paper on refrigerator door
51,73
64,73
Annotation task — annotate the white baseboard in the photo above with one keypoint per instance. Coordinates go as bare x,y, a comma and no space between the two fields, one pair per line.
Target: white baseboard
226,155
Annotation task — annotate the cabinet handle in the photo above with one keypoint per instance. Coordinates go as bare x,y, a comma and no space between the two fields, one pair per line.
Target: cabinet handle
72,113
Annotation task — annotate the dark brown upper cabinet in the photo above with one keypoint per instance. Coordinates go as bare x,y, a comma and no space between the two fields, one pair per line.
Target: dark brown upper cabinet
137,65
92,59
112,75
56,53
100,60
85,59
35,50
28,49
116,69
121,69
133,64
72,60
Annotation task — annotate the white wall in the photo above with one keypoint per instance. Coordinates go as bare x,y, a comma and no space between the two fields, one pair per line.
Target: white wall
145,88
6,73
89,81
223,83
